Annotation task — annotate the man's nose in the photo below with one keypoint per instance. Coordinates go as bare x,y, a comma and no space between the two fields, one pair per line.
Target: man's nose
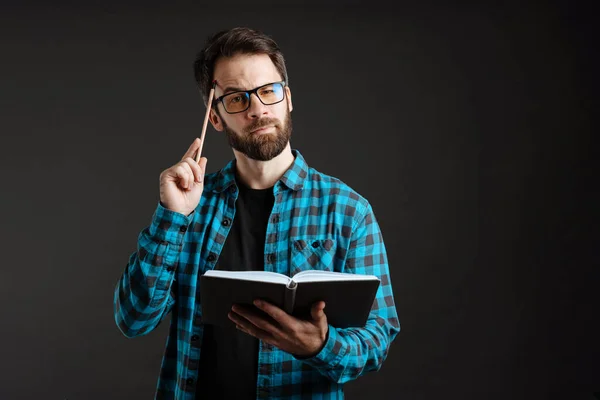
257,109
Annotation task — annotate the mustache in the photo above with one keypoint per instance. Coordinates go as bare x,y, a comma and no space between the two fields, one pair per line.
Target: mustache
261,123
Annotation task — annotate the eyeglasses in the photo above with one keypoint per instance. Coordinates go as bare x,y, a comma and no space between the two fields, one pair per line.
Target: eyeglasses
236,102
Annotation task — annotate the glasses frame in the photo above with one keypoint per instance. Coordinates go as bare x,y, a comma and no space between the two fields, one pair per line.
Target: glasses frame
249,94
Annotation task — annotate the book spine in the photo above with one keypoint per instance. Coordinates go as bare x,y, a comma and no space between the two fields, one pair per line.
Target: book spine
290,297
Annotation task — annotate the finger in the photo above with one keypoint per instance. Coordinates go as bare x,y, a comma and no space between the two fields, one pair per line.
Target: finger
248,327
256,320
190,174
261,335
239,327
191,151
202,163
183,175
275,312
316,310
195,168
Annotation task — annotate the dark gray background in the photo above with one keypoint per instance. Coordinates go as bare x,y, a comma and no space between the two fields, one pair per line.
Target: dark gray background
467,127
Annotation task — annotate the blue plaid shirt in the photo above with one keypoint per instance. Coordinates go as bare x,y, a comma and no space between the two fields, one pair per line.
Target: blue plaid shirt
162,277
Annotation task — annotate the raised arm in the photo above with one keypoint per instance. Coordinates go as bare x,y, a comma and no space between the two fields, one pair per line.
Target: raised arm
145,291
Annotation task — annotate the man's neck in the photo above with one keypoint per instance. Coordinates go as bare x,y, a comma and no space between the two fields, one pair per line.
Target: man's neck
263,174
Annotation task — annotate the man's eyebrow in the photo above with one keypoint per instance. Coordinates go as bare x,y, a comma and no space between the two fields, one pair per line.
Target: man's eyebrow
232,89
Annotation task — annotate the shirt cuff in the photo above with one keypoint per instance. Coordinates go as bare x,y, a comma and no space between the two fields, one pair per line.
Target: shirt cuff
331,353
169,226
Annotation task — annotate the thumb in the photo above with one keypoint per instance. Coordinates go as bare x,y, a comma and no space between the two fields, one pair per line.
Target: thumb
316,311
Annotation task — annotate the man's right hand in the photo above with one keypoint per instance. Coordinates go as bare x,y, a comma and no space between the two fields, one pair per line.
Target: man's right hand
182,184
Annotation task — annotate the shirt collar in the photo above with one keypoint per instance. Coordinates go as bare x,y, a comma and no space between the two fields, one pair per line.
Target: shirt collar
293,178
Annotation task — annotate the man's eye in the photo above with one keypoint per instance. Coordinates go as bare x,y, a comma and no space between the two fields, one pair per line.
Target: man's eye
236,99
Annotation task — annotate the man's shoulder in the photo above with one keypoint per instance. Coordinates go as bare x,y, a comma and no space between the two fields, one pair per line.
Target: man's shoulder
337,189
215,181
212,177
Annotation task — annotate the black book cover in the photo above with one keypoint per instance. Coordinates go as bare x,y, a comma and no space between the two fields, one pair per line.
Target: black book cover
347,302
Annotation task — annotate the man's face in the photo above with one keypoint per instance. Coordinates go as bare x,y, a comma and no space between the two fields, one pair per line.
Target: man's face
245,72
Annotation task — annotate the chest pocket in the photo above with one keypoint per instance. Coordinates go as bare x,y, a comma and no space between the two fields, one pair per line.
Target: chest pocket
312,253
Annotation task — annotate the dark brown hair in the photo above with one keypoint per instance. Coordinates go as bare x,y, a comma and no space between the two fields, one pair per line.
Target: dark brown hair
227,43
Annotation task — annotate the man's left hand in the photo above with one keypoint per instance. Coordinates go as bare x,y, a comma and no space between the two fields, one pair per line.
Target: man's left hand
301,337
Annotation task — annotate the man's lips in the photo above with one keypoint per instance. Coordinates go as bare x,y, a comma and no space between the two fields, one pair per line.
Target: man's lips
262,129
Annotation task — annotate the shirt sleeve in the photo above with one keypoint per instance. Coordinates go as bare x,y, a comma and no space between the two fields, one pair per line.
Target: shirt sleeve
351,352
144,293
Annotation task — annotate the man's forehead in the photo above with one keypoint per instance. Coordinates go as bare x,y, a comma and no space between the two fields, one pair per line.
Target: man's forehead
245,71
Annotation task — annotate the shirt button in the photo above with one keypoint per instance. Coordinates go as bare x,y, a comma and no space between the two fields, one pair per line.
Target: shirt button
232,189
226,222
271,258
315,244
195,337
275,218
189,381
211,257
183,228
170,269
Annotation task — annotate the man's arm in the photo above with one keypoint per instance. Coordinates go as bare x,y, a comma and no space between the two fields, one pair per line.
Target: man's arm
144,293
350,352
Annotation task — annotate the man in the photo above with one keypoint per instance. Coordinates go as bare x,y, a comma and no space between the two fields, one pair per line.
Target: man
265,210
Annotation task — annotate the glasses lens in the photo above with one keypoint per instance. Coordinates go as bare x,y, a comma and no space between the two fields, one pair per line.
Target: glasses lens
236,102
271,94
239,101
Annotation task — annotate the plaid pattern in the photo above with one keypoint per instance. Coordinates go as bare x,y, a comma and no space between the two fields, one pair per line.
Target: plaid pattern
317,222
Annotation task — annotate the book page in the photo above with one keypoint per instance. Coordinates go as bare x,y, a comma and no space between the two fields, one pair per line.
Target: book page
260,276
320,276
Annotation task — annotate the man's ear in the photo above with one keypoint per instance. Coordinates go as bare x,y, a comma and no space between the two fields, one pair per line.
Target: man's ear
215,120
289,98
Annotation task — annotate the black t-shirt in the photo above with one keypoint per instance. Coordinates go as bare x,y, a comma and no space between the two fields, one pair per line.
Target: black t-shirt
229,359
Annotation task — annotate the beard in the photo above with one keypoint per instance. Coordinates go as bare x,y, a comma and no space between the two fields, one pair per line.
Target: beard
265,146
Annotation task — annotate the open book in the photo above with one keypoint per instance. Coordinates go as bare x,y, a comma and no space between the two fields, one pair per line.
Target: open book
348,297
